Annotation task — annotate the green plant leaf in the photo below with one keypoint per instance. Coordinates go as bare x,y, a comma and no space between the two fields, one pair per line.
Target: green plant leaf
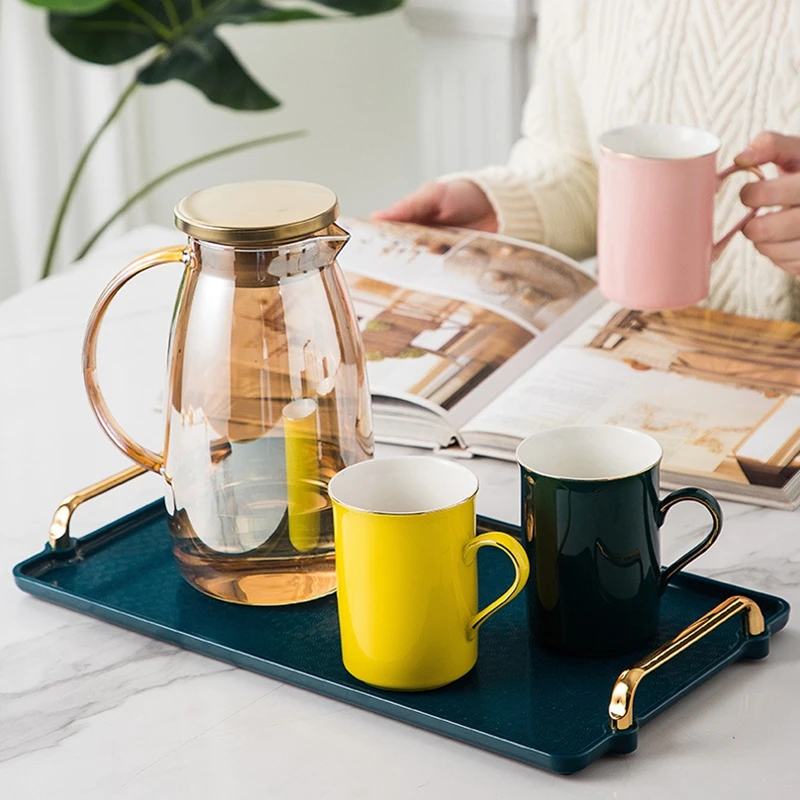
72,6
247,15
256,11
242,12
108,37
210,66
362,8
185,32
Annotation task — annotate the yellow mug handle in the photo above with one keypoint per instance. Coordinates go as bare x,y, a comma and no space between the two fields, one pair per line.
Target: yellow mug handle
522,569
141,455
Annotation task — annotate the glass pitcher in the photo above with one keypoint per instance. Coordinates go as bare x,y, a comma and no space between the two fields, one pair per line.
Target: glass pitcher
266,390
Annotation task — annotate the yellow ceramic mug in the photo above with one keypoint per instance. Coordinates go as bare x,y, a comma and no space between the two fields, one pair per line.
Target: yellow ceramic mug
404,531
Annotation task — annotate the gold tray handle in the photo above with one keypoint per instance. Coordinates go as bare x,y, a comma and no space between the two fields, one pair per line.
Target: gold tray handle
59,527
620,709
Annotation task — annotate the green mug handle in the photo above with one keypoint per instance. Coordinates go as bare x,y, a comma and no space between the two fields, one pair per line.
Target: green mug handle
522,569
706,500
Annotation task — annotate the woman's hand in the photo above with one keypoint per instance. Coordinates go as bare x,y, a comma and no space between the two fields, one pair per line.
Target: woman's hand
775,234
459,202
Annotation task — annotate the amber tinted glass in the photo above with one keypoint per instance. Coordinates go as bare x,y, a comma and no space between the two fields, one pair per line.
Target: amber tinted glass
267,400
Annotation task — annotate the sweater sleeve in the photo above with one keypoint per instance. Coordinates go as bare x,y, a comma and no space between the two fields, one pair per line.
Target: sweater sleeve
547,192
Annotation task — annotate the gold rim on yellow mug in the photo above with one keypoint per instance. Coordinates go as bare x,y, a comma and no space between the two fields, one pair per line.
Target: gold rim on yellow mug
406,565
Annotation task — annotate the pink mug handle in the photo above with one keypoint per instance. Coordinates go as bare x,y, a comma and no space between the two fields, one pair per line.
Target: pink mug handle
719,246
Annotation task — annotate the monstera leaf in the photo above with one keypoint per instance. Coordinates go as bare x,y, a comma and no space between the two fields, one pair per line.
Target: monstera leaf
72,6
177,40
211,67
181,34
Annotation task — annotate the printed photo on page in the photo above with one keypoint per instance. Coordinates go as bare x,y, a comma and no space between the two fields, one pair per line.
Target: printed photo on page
720,392
440,309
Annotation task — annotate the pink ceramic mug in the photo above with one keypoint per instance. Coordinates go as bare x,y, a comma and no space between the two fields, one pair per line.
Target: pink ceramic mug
655,241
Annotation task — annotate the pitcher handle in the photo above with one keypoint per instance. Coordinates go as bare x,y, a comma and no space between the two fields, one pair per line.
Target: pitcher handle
141,455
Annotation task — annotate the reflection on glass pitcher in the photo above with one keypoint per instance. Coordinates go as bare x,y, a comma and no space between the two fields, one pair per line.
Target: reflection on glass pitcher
267,396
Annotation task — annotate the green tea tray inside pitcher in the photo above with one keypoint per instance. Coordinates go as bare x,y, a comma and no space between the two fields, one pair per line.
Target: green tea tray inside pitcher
554,712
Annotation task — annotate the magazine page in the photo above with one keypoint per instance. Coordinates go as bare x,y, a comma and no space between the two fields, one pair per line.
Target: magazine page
441,310
721,393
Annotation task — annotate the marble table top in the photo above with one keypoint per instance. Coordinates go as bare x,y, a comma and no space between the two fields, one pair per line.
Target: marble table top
88,710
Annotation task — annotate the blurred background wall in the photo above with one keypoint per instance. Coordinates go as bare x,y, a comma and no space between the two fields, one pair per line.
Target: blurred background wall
387,102
351,84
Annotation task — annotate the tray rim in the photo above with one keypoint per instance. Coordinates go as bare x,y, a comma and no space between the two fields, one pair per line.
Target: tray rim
27,577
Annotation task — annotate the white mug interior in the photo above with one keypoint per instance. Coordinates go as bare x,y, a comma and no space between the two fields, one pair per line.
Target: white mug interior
589,452
403,485
670,142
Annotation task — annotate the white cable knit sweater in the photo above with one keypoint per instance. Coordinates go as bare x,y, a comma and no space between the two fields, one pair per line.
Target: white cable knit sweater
728,66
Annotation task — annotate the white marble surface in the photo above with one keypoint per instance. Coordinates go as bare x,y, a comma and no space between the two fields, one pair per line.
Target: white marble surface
88,710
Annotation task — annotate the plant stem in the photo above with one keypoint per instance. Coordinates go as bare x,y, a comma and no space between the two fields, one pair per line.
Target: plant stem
172,15
55,231
152,22
194,162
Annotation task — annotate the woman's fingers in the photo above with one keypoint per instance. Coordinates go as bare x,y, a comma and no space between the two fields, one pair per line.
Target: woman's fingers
777,234
782,191
786,255
769,147
423,205
458,202
779,226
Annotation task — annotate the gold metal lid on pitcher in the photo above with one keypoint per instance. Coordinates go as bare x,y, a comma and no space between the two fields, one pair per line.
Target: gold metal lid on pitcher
257,212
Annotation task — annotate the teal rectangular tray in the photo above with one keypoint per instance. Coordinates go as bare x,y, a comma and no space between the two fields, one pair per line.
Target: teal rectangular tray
546,710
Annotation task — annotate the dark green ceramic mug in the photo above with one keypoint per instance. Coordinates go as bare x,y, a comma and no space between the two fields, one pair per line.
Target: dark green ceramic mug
591,516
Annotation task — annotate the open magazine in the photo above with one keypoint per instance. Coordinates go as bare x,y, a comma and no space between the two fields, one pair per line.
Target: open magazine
474,341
